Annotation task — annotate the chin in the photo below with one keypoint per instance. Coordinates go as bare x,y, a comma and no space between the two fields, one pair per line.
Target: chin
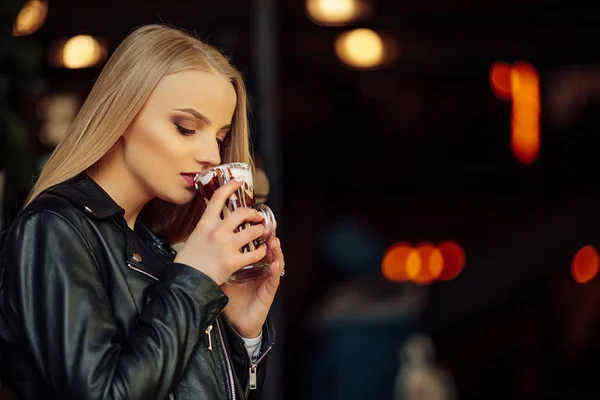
180,198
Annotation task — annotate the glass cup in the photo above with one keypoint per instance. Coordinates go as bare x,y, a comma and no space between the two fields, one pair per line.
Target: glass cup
208,182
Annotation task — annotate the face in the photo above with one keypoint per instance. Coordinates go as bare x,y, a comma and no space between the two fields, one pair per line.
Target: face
179,132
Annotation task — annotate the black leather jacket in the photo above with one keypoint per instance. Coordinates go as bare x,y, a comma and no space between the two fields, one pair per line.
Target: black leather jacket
90,309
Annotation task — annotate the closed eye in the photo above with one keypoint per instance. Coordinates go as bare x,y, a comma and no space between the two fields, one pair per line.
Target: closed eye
183,130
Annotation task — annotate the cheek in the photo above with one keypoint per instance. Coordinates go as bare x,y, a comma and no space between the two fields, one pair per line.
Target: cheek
151,147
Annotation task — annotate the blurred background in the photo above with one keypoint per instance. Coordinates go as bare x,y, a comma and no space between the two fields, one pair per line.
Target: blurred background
433,168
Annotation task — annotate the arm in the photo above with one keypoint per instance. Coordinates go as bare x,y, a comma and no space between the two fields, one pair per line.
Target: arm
246,314
55,294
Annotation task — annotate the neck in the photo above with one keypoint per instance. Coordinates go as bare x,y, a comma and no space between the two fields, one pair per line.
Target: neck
121,185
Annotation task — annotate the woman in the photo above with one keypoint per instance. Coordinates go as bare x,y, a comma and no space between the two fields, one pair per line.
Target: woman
93,303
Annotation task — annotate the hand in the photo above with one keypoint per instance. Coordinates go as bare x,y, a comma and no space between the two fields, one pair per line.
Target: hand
249,304
214,246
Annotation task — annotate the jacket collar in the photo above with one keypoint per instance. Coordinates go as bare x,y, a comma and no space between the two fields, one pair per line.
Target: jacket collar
86,194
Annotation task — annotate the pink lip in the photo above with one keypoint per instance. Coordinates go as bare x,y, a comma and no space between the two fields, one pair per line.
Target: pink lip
189,179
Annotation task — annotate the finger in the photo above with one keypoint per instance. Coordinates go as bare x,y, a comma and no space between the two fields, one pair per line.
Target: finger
277,264
253,256
247,235
274,280
241,215
276,251
217,201
272,245
273,240
270,255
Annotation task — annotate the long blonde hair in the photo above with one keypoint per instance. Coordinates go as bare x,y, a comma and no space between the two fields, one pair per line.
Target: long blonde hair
125,83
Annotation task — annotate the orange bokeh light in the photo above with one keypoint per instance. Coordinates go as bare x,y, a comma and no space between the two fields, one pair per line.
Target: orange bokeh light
525,135
418,266
521,83
413,264
424,263
436,263
454,260
585,264
500,79
394,262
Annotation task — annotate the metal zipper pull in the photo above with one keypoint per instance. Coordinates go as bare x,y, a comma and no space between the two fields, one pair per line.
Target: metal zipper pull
252,377
207,331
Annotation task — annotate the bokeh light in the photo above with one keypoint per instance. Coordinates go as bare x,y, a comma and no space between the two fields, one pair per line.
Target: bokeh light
336,12
525,135
424,263
79,51
30,18
393,265
500,80
454,260
585,264
520,83
364,49
419,264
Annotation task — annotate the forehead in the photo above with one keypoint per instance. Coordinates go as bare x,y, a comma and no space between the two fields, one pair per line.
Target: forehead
210,93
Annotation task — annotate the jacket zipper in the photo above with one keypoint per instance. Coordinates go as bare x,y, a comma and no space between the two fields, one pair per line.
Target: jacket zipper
229,370
207,331
252,376
141,271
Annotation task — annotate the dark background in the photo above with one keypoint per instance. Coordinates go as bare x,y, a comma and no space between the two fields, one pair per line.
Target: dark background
418,151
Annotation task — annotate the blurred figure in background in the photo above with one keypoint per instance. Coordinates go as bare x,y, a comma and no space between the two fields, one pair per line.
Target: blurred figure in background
420,377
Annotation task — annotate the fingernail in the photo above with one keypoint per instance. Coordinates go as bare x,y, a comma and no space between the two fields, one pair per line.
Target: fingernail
278,242
239,179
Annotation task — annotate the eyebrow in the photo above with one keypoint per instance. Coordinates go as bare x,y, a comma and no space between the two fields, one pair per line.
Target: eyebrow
200,116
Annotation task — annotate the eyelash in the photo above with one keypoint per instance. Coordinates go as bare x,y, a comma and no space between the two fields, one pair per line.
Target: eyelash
184,131
188,132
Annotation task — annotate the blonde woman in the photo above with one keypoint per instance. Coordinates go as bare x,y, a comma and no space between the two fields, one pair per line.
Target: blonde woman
93,302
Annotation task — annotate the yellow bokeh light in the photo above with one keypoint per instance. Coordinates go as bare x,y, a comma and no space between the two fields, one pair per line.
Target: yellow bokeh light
30,18
82,51
360,48
332,12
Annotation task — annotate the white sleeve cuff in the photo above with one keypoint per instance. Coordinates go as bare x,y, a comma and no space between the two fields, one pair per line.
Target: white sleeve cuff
253,345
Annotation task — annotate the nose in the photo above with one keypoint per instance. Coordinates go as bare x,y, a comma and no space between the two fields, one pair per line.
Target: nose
207,152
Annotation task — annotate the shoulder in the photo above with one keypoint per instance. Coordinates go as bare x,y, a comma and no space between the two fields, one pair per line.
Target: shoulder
50,207
50,202
48,218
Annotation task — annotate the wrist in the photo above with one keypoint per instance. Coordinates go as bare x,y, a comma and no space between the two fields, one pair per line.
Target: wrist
245,333
253,334
182,260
